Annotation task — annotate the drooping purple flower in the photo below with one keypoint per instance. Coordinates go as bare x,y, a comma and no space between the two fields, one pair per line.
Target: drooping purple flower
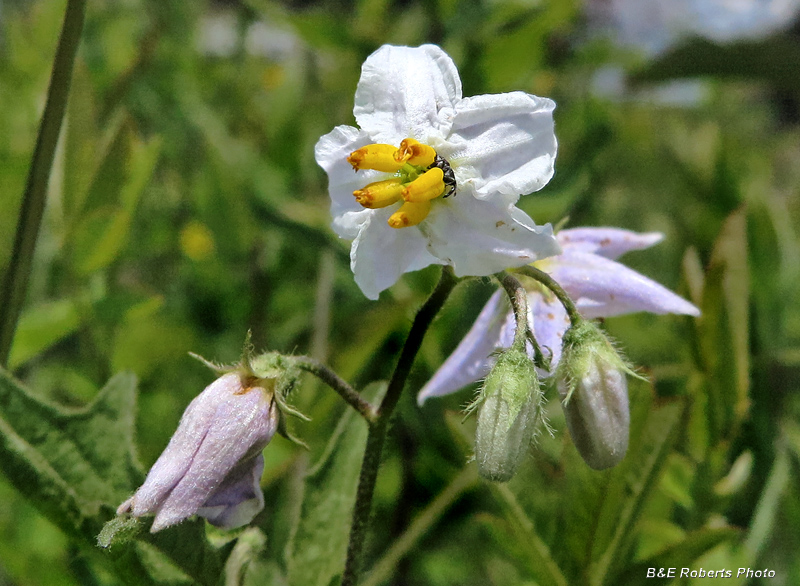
588,272
213,463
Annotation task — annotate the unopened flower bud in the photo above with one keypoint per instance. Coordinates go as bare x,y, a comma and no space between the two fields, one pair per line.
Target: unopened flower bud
213,463
510,413
594,393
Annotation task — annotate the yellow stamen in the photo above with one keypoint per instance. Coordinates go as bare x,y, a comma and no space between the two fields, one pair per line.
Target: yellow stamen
426,187
379,157
415,153
410,214
379,194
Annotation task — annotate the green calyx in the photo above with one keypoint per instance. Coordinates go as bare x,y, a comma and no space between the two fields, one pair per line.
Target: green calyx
513,377
585,344
272,371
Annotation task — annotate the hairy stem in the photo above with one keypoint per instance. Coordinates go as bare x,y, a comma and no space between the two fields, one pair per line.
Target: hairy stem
549,282
519,301
15,283
378,428
338,384
518,297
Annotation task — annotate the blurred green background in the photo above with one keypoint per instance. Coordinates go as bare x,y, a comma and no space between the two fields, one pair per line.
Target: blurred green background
185,207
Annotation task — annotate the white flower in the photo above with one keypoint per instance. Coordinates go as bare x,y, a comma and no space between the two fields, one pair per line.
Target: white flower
419,139
599,286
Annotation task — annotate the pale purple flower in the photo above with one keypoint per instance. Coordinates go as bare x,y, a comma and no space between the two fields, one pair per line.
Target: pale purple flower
213,463
599,286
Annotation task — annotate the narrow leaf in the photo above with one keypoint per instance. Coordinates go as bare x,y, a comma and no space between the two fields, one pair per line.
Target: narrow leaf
681,555
40,327
724,330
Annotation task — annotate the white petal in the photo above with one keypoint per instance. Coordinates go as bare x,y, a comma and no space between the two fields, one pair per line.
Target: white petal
480,237
406,91
502,144
380,253
608,242
550,321
471,360
603,287
331,152
349,224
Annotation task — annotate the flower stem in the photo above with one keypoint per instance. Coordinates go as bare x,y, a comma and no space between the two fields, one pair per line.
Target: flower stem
518,297
519,301
377,429
338,384
15,284
548,281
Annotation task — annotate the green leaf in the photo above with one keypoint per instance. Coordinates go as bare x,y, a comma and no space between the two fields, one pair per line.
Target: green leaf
102,233
766,513
681,555
531,546
65,461
318,546
80,142
723,330
40,327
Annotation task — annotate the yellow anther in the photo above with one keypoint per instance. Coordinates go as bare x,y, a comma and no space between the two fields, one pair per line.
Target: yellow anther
426,187
415,153
410,214
379,157
379,194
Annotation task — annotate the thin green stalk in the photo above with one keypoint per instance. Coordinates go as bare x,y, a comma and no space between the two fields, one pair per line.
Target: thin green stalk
519,301
15,283
382,570
518,297
549,282
377,430
338,384
548,572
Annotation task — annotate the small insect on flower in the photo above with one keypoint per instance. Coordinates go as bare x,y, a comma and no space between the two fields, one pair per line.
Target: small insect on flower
449,176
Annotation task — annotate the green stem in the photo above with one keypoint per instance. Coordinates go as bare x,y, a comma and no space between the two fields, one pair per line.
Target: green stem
549,282
15,283
377,430
338,384
519,301
518,297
